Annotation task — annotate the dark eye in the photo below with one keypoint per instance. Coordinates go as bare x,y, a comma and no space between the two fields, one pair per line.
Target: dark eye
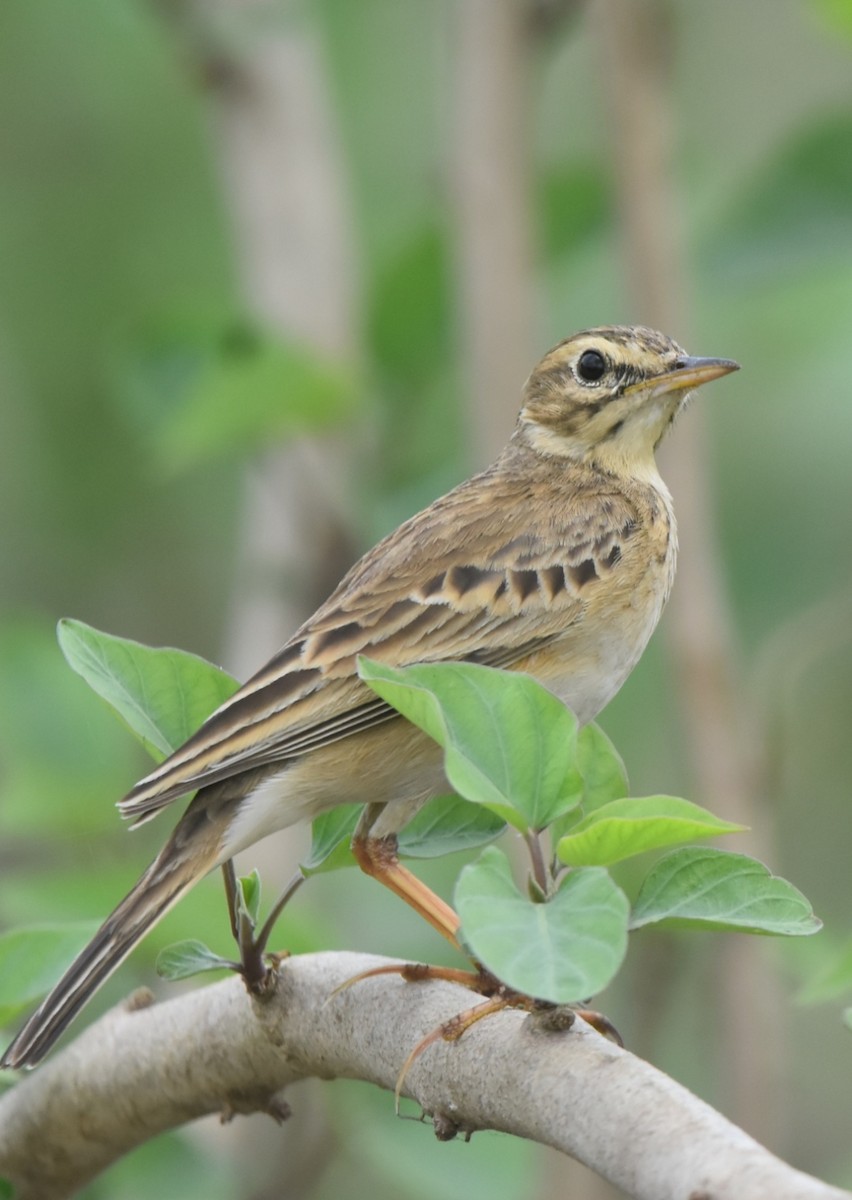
591,366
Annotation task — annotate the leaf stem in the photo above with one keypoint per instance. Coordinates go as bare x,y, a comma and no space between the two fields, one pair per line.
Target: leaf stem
252,948
541,874
277,908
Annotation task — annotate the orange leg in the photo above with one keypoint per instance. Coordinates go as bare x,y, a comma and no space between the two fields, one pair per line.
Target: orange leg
378,857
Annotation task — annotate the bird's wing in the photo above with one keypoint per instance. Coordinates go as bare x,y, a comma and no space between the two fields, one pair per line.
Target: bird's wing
486,574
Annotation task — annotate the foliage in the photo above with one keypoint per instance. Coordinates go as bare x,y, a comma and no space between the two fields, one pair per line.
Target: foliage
511,749
203,388
120,270
161,695
32,958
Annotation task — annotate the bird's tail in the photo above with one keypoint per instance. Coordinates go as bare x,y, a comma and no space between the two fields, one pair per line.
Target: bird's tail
174,871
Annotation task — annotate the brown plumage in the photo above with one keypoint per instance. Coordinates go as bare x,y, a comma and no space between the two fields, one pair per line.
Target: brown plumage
557,560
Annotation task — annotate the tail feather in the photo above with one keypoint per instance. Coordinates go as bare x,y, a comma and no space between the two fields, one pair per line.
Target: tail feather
160,887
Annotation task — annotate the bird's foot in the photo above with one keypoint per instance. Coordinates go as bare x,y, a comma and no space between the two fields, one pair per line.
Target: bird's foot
496,997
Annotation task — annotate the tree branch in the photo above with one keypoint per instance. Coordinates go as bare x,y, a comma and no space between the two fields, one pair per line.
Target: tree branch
144,1068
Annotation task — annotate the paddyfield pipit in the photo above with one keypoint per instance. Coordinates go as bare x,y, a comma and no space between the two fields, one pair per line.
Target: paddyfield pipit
557,560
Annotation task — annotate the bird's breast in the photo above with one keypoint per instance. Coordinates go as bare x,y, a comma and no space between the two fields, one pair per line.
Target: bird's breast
588,664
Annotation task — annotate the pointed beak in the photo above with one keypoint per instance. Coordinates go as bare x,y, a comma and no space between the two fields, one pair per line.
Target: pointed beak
691,372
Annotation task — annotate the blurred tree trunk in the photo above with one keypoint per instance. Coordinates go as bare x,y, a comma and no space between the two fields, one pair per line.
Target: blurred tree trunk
635,37
492,200
283,180
491,187
281,165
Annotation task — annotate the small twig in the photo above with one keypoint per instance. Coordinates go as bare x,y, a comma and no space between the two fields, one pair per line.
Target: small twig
252,965
232,887
277,908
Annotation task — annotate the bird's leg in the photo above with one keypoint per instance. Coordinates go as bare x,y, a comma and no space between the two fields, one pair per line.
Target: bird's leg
379,858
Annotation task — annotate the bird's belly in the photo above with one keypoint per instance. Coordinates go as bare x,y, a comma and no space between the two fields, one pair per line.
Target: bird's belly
589,682
587,666
394,764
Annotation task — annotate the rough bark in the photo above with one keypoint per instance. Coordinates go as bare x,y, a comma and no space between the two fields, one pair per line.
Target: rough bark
145,1068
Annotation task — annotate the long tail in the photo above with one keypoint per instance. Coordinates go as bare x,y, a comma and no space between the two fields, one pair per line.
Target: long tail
181,863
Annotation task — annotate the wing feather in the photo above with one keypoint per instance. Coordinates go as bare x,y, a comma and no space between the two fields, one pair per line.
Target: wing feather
451,583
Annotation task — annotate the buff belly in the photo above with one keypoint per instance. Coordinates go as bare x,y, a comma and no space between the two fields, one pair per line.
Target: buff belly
394,764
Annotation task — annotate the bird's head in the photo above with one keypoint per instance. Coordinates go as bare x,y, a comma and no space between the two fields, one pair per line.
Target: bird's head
606,396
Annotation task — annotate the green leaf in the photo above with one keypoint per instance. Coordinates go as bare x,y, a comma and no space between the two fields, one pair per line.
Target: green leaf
7,1192
622,828
714,889
410,317
446,825
250,889
184,959
837,14
603,774
602,768
565,950
32,958
576,200
508,743
207,384
795,211
331,833
258,387
831,981
162,695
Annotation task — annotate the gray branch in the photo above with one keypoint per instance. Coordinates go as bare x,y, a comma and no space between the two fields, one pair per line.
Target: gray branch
145,1068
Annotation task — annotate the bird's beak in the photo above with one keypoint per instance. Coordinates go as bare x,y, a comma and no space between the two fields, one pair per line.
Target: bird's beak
688,372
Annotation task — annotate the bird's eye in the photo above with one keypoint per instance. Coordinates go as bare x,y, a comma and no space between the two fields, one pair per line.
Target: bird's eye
591,366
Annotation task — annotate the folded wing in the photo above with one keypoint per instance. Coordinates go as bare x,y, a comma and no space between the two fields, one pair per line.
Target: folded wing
447,585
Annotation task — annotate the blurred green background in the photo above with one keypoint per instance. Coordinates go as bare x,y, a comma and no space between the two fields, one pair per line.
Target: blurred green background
159,397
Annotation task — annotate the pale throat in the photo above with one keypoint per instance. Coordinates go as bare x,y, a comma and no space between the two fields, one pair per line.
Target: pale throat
627,454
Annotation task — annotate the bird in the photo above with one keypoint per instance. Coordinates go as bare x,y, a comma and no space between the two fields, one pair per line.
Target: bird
557,560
